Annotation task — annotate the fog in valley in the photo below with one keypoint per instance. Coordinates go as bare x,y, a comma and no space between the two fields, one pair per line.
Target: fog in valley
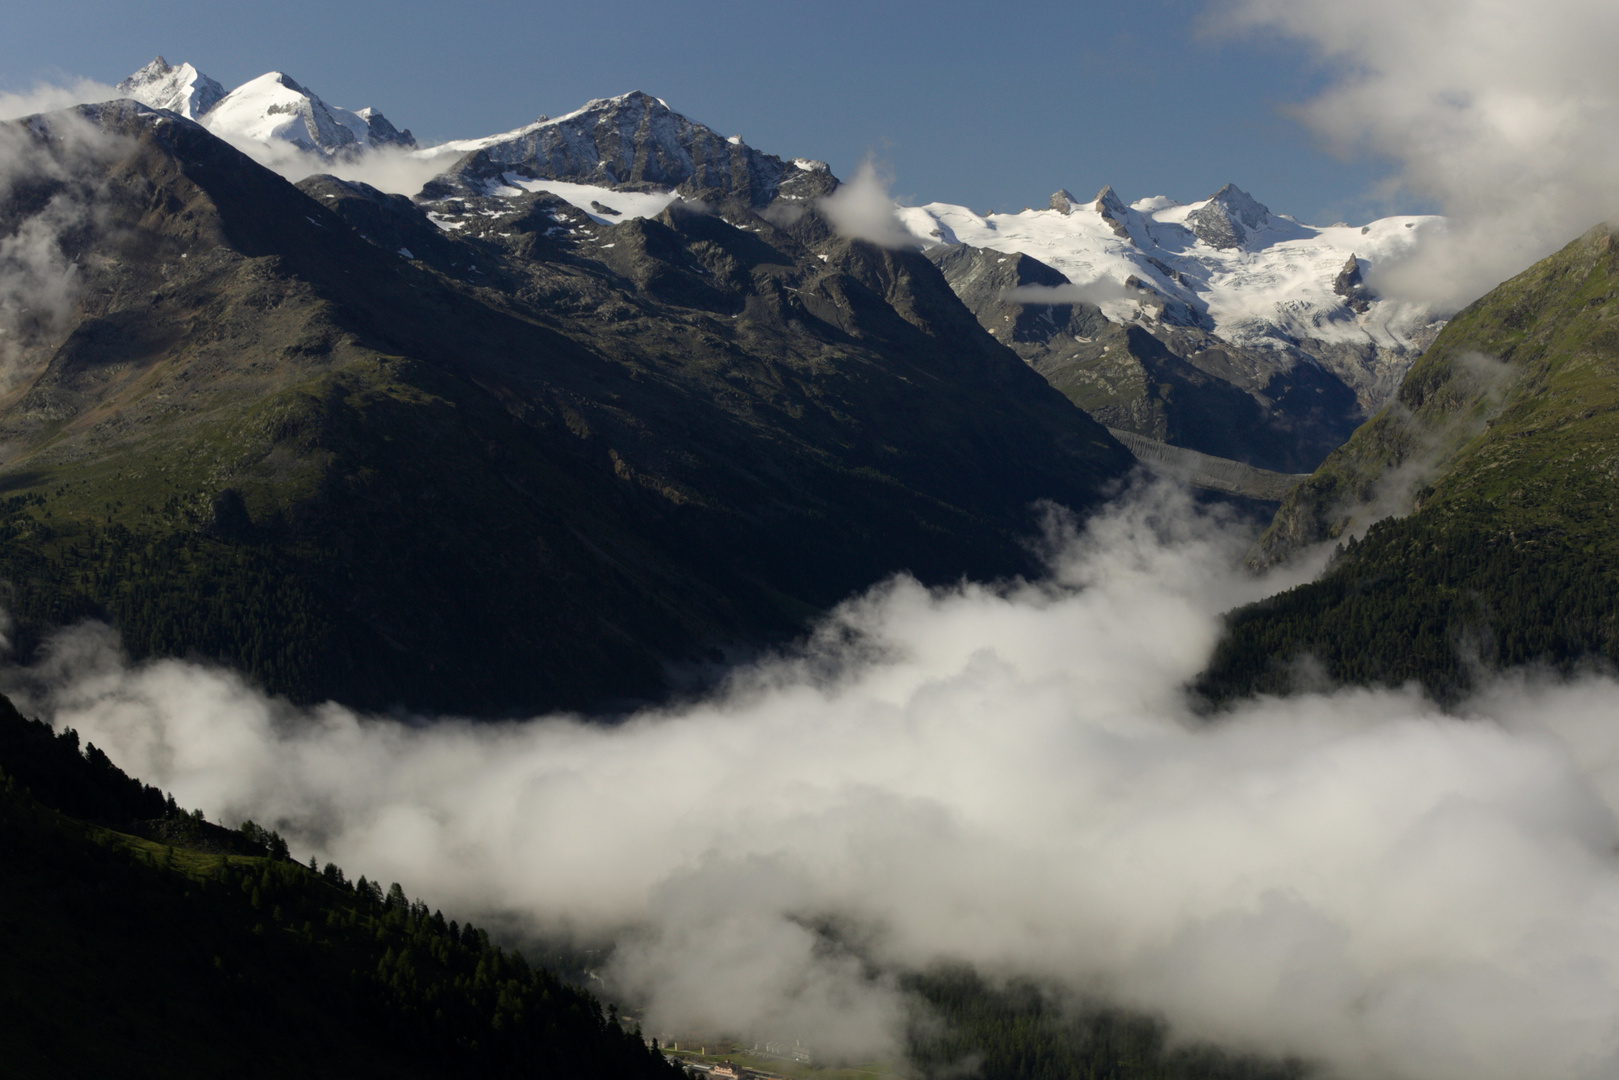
1009,776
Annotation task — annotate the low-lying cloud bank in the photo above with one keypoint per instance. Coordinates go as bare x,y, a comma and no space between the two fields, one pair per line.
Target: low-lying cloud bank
1098,291
48,97
1507,115
1009,777
386,168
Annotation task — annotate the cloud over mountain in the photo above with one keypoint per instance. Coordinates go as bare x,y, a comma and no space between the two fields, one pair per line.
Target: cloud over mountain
862,209
1507,116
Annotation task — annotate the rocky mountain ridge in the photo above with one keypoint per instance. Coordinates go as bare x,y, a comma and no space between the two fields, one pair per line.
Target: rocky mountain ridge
1177,385
632,141
182,89
1226,266
1209,310
1217,326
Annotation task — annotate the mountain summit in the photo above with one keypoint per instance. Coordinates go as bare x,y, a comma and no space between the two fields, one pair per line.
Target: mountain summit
1226,219
183,89
272,108
275,107
632,139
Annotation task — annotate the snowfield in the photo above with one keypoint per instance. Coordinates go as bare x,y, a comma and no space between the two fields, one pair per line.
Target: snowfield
1275,289
587,197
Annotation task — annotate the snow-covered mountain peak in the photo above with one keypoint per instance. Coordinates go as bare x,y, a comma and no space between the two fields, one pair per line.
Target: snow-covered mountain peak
181,89
1062,201
1112,210
630,140
1249,210
1226,265
269,109
635,100
1109,203
276,106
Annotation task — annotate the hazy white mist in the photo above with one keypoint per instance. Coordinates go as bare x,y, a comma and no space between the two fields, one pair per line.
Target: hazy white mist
385,168
1008,777
1096,291
1505,114
40,280
47,97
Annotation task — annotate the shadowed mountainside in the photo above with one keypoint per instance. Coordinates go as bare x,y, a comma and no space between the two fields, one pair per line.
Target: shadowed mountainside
504,459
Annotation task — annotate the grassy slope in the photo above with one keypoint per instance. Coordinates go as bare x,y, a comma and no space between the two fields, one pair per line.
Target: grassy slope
1510,555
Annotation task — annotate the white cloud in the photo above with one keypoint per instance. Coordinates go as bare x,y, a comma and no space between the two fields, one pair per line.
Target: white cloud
40,280
862,209
1097,291
386,168
1506,114
1004,776
45,97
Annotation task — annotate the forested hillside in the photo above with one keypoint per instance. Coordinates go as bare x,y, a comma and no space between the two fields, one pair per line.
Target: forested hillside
1503,445
213,954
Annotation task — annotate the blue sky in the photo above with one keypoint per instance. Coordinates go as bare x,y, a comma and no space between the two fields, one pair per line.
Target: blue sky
965,102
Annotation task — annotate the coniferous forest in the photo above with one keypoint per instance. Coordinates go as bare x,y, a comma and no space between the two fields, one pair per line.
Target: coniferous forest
208,952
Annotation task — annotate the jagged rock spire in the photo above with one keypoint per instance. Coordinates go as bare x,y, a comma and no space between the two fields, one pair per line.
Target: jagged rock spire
1225,220
1113,211
1352,287
178,88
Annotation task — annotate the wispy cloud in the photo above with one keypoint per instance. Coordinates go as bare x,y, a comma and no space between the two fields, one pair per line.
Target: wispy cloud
386,168
1096,291
48,97
59,171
